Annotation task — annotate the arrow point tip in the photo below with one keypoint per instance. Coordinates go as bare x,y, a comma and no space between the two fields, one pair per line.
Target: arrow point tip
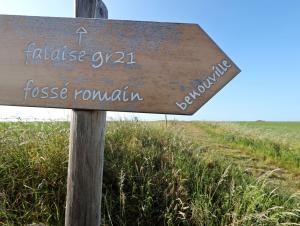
81,30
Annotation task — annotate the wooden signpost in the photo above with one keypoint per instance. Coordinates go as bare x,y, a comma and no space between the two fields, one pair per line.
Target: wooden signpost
109,65
96,65
86,152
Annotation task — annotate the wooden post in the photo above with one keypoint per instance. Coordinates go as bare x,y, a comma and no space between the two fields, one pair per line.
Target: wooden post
166,119
86,154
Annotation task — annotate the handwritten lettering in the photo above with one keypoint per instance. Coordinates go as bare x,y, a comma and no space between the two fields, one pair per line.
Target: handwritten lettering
117,95
61,55
63,93
202,86
45,92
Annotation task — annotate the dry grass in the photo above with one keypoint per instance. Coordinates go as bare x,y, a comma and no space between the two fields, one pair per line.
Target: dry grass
151,177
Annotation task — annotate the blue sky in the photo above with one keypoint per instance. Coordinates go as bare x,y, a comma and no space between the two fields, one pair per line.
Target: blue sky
261,36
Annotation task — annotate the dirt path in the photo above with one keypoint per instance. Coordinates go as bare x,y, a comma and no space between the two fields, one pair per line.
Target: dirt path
280,177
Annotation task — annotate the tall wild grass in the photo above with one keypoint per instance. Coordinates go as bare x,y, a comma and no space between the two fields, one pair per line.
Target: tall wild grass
274,141
151,177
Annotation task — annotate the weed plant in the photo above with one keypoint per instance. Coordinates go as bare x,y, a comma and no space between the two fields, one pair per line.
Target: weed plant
151,177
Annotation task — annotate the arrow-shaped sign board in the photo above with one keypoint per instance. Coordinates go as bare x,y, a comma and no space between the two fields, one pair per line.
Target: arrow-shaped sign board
109,65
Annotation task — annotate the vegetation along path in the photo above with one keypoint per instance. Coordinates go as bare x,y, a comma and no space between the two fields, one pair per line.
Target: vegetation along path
190,174
255,153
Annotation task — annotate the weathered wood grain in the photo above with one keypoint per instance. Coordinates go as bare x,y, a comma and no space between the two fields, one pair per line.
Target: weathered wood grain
86,157
107,64
85,172
85,8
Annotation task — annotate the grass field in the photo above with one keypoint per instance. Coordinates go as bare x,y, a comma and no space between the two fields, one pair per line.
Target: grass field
277,141
185,174
281,132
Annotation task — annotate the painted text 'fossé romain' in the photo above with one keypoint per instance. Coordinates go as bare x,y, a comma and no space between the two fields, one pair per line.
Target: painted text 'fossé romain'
201,87
32,91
